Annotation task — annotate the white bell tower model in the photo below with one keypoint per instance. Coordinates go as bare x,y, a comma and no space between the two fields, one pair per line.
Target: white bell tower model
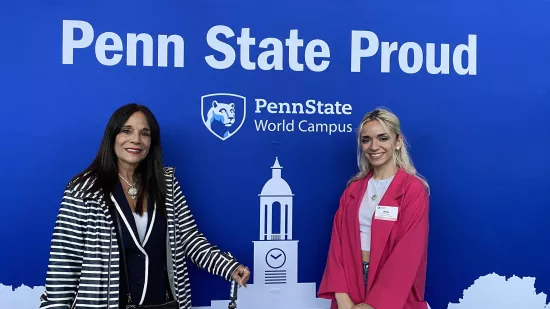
275,272
276,254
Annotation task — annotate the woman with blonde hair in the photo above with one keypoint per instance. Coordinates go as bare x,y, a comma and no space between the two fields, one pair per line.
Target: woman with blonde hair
378,250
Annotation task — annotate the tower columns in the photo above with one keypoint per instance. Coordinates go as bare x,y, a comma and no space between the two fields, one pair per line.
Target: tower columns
289,212
262,220
283,219
269,221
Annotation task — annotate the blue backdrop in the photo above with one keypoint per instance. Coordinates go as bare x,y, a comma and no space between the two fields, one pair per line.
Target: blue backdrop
479,133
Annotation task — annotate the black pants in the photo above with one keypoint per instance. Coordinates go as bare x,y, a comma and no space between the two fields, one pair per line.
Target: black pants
365,272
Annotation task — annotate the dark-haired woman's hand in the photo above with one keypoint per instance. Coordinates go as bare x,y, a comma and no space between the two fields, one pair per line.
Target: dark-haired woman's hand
241,275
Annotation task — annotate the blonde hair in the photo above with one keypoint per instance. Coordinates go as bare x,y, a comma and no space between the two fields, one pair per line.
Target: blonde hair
401,158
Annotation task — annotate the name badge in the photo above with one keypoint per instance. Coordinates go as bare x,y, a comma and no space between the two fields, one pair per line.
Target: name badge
388,213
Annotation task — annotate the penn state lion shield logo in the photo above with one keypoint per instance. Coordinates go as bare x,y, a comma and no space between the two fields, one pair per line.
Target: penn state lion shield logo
223,114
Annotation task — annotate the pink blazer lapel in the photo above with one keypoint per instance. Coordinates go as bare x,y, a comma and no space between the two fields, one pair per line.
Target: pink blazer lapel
353,225
381,229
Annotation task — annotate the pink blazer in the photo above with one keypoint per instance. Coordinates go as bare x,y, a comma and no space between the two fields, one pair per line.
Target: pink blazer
397,268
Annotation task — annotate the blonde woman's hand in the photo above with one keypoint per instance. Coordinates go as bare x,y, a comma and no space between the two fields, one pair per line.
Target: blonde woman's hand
362,306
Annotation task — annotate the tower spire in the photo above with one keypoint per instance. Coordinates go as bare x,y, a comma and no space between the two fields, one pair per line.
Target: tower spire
276,169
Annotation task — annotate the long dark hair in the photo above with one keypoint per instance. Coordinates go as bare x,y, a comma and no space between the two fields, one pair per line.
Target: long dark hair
150,172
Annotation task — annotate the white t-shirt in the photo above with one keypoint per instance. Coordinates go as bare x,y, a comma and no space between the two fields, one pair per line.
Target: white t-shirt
141,224
373,195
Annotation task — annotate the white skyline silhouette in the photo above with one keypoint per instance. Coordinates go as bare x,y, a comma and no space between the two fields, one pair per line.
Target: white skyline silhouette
494,291
275,272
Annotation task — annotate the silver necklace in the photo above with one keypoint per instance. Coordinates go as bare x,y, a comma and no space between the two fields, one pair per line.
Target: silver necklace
133,191
381,183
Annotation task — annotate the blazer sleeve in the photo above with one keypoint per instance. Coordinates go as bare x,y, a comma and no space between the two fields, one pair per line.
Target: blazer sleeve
66,249
334,279
397,276
197,247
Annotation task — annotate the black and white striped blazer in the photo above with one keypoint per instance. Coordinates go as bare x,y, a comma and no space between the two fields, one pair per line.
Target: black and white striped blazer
83,265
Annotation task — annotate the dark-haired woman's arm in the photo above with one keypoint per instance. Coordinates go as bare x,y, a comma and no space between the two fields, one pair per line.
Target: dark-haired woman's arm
66,249
197,247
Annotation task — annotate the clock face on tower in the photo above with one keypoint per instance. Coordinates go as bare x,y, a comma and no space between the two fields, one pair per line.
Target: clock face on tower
275,258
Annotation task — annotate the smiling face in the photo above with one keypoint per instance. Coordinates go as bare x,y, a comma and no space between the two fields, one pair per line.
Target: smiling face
133,142
378,145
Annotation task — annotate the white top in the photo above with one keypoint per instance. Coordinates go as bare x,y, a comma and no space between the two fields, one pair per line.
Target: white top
373,195
141,224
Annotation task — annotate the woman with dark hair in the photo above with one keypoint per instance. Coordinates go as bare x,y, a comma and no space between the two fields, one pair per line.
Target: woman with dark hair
124,229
